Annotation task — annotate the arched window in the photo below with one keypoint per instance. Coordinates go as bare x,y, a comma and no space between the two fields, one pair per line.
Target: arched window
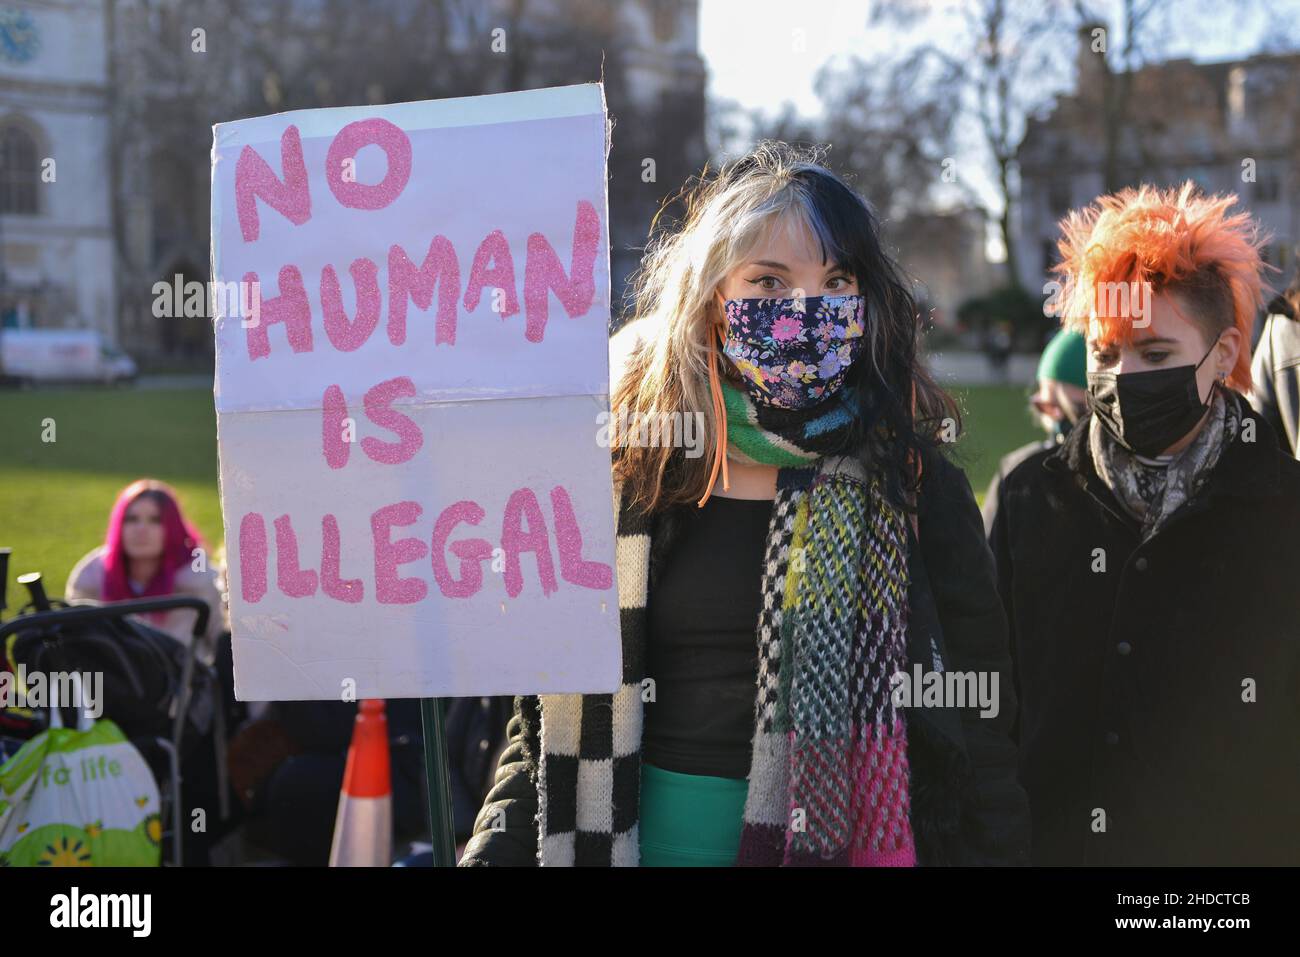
19,174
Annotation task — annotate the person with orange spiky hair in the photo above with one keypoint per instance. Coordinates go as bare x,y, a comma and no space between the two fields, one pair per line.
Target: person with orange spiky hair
1147,564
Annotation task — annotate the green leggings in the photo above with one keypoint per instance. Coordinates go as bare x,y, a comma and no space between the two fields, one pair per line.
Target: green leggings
689,820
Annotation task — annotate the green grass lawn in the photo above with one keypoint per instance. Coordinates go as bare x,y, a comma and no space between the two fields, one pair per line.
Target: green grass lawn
995,420
55,496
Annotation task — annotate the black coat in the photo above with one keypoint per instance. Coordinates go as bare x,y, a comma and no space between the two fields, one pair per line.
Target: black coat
1005,466
1131,679
967,806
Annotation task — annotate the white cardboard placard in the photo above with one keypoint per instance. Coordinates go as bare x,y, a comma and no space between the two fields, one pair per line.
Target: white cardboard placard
408,388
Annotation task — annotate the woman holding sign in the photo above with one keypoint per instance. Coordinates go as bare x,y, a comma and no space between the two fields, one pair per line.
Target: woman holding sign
783,597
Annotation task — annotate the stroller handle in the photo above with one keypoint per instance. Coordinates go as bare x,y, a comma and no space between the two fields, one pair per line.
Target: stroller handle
111,609
91,611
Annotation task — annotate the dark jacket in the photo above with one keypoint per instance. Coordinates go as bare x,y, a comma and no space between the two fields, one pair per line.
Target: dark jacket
967,806
1276,374
1131,674
474,729
1008,462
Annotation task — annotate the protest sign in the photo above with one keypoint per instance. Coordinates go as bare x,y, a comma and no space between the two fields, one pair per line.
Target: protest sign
412,310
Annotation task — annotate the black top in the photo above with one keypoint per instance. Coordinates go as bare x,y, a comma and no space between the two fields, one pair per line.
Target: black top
702,651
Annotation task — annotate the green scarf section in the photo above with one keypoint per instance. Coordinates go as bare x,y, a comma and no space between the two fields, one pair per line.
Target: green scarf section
750,442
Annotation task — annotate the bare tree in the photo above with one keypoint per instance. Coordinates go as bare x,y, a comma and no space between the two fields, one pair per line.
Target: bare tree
1096,21
998,76
888,125
178,69
1144,29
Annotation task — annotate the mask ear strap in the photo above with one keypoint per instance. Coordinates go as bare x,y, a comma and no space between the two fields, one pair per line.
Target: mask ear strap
916,460
719,423
914,463
1221,380
1209,350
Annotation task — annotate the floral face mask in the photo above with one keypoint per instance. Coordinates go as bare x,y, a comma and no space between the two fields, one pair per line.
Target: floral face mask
793,353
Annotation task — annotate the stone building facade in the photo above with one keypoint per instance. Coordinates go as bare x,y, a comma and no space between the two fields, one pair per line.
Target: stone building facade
122,95
1232,127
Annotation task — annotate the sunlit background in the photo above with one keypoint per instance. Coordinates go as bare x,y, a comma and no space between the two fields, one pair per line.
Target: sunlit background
972,127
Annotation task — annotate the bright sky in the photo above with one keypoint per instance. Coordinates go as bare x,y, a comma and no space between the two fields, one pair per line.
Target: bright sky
763,53
752,47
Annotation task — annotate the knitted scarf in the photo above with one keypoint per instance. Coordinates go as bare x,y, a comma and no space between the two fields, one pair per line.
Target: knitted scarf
828,781
1152,490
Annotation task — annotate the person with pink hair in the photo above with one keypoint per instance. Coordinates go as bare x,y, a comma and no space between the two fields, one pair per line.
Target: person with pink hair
152,550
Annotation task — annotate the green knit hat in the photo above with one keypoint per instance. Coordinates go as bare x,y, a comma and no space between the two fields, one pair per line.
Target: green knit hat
1065,359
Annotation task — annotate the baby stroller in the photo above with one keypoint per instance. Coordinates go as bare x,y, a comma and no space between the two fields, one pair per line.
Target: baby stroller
166,701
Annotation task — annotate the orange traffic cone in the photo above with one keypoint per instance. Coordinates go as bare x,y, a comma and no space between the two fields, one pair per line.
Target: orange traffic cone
363,830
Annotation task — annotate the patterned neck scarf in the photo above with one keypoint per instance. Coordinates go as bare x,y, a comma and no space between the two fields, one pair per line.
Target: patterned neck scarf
828,780
1153,490
765,435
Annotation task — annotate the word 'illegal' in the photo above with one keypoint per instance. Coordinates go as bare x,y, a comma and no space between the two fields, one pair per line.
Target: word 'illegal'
523,529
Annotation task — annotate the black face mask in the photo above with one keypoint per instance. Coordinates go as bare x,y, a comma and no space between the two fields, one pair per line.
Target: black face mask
1146,412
